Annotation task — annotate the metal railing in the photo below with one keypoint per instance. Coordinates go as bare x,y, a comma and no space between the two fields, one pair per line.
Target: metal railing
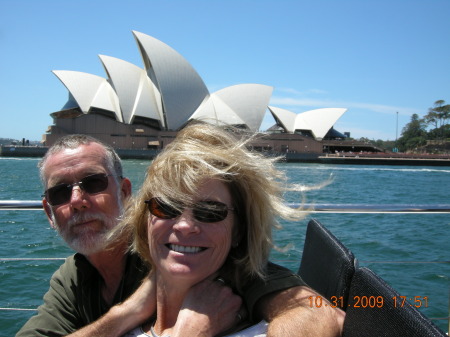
308,207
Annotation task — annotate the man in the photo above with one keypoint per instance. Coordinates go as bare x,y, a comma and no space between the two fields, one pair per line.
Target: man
93,292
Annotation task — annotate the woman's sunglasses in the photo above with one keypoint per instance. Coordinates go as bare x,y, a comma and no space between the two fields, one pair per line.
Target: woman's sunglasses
203,211
61,194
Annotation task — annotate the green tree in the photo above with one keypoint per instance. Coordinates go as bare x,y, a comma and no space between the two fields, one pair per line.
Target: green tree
413,135
437,118
441,133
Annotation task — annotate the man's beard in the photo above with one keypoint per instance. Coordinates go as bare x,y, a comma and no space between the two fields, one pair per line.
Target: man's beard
85,239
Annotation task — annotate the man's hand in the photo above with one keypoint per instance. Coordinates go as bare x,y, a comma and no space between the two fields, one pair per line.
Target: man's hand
210,308
289,313
142,304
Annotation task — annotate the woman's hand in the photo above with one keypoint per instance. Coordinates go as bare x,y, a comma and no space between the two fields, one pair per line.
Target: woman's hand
209,308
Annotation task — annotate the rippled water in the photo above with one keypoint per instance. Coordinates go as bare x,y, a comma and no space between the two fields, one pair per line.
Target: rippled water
419,239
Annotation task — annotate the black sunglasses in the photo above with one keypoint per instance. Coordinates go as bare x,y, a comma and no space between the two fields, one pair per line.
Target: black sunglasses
61,194
203,211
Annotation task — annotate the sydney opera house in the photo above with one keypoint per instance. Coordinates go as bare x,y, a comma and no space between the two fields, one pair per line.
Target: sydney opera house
136,108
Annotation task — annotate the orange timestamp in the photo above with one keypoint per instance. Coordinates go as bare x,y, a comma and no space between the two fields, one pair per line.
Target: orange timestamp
368,301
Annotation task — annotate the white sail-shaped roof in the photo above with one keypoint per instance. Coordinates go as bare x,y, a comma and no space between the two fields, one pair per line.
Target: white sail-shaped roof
170,92
248,101
182,90
216,111
90,91
319,121
284,117
135,90
224,113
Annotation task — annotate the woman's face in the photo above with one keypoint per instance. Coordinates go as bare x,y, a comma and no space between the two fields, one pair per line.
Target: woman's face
185,248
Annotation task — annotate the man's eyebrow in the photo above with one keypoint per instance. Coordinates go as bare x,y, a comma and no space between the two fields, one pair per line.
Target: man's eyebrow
56,181
64,180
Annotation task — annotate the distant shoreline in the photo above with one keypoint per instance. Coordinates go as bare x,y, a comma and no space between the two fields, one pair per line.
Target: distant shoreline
370,159
319,158
385,161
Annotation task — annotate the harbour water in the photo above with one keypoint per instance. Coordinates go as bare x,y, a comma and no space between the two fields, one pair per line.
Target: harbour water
379,241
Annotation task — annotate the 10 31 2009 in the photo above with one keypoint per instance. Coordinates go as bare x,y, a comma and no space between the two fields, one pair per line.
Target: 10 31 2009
368,301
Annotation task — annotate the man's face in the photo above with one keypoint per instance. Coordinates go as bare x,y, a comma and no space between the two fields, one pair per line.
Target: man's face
85,219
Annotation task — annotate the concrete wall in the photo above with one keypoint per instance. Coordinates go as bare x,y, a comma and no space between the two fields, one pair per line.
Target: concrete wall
22,151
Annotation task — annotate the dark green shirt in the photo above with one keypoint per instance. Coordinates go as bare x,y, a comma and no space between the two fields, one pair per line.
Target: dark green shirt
74,299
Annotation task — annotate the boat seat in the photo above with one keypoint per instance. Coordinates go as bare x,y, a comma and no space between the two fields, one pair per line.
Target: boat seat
327,265
382,320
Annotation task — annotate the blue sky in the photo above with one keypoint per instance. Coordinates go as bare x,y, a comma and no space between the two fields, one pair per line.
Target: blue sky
375,58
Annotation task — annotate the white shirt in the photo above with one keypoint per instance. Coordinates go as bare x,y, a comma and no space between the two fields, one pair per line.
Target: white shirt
257,330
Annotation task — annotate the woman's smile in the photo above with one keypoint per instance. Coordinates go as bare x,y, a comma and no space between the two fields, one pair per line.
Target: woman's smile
185,249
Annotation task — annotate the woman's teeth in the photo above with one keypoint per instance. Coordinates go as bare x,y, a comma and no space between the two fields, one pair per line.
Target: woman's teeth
185,249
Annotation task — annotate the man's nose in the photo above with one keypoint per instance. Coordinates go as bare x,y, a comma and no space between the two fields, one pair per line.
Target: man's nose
78,198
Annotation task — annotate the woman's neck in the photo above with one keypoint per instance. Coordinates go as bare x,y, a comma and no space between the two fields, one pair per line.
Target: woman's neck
169,302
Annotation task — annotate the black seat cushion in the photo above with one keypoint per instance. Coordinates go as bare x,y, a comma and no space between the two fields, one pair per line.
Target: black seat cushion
327,265
372,312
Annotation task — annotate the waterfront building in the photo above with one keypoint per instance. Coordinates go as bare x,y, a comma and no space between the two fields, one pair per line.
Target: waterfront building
143,108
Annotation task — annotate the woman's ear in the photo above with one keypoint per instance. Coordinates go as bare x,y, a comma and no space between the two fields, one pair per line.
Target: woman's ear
237,237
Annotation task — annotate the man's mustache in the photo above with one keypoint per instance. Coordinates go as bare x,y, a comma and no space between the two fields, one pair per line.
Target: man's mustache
81,218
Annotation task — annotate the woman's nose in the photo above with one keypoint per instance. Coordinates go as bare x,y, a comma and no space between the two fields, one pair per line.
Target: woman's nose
186,223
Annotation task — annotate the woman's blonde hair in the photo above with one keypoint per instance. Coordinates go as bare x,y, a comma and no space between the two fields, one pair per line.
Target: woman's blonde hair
203,151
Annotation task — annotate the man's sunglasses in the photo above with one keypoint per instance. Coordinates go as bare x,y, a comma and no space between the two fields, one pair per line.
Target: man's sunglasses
61,194
203,211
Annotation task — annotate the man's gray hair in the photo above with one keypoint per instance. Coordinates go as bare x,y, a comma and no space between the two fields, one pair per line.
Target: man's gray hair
112,159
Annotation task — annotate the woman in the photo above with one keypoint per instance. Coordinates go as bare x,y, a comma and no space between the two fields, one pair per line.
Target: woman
207,207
